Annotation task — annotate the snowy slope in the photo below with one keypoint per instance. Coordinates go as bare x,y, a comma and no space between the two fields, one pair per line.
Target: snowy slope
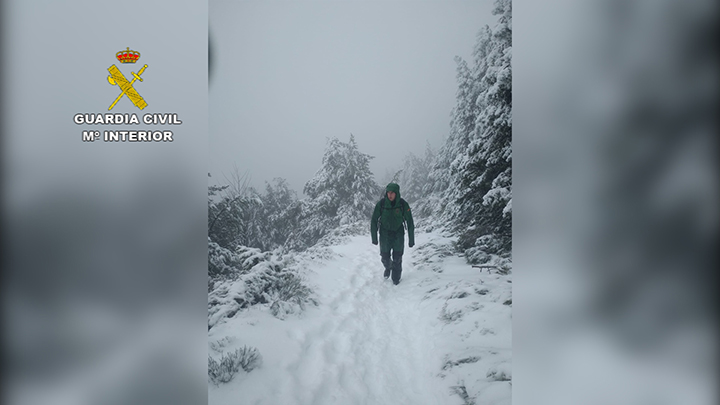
443,336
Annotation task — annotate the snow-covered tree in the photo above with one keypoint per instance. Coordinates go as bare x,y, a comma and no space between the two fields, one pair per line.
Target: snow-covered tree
443,185
227,205
242,216
487,171
344,184
278,202
341,192
413,177
469,186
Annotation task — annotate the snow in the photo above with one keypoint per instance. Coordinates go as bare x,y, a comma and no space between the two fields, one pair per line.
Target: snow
443,336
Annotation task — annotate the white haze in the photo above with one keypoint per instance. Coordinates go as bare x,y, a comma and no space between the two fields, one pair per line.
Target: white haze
285,76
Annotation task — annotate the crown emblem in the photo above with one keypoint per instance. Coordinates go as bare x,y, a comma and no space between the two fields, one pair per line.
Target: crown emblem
128,56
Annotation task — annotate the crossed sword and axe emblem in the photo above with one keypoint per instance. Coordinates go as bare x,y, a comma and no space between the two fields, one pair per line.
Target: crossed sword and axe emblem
117,78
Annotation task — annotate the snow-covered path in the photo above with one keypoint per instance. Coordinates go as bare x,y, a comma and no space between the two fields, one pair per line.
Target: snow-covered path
367,343
370,348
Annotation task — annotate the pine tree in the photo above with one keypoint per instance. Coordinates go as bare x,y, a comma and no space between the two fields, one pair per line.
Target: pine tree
443,180
341,192
469,188
225,204
362,187
414,176
487,170
278,201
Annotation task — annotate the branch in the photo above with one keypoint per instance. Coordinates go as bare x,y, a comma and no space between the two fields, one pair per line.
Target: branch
222,212
501,270
237,188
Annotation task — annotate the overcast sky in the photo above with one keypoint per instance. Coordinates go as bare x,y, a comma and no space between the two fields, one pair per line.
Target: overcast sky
286,76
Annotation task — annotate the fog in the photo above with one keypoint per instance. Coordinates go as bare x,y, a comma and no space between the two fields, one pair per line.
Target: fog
285,76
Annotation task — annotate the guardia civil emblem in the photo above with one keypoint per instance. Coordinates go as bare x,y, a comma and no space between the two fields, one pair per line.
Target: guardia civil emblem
117,78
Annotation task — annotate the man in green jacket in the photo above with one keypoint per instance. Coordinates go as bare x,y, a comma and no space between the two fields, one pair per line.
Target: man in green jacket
390,214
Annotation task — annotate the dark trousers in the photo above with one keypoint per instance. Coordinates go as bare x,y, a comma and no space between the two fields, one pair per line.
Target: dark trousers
395,265
391,245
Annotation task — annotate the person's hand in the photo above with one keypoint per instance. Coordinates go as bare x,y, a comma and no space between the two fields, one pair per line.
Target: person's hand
374,242
411,244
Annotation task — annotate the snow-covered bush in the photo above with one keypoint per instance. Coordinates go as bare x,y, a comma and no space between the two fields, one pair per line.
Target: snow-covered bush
429,255
461,391
246,277
220,345
241,215
500,372
223,371
449,316
289,295
225,262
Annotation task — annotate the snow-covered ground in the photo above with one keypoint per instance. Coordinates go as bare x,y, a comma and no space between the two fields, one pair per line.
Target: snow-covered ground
442,336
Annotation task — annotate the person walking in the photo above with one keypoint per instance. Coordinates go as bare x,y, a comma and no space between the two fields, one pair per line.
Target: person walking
390,216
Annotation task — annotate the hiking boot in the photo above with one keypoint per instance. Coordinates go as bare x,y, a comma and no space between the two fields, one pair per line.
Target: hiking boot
386,274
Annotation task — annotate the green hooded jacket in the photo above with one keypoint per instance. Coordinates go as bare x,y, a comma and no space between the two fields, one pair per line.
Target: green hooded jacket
389,216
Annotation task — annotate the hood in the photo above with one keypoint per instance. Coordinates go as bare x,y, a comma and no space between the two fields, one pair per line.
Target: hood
393,187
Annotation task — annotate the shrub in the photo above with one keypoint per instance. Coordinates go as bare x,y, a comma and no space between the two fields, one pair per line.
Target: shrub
254,277
220,372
